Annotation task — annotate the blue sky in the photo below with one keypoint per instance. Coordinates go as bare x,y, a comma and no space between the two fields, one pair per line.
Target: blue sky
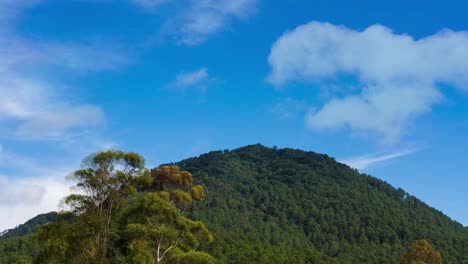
380,85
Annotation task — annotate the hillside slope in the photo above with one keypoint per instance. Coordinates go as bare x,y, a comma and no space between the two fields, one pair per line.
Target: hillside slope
30,225
268,205
18,245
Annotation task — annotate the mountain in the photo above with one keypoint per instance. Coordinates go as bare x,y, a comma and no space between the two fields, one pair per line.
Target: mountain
30,225
269,205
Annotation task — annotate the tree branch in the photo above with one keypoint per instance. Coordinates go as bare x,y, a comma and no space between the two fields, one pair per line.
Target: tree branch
173,245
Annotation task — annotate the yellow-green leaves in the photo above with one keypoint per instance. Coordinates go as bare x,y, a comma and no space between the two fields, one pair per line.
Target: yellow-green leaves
421,252
174,184
172,176
182,199
198,193
124,212
152,220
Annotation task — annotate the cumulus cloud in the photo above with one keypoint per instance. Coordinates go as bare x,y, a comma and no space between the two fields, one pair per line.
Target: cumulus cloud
398,76
24,193
192,78
27,197
29,187
364,162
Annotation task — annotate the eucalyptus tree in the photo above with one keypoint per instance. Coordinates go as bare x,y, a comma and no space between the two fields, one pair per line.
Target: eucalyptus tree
117,216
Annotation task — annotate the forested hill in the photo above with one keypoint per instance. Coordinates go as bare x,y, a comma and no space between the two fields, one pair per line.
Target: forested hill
19,245
30,226
268,205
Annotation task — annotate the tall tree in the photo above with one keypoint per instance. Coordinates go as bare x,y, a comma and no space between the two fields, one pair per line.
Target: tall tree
153,228
105,183
154,225
109,221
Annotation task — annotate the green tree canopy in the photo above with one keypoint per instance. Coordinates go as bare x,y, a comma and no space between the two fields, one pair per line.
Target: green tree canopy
109,221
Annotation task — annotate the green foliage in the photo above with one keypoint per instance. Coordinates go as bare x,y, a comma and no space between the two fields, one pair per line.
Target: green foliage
31,225
262,205
268,205
19,245
109,222
18,249
150,222
192,257
198,193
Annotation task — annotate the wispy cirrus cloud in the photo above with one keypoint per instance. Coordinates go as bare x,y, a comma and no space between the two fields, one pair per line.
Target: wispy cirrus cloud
191,78
151,3
398,76
207,17
364,162
10,9
196,20
290,107
36,103
37,108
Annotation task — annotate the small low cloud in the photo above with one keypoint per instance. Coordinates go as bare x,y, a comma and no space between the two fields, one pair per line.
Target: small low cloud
398,77
192,78
367,161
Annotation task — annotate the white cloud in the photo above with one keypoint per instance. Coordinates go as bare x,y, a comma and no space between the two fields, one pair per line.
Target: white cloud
40,108
39,112
193,78
398,76
29,187
204,18
23,193
364,162
25,198
34,107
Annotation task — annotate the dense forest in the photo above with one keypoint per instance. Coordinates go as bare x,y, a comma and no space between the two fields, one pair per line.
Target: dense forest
19,245
269,205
